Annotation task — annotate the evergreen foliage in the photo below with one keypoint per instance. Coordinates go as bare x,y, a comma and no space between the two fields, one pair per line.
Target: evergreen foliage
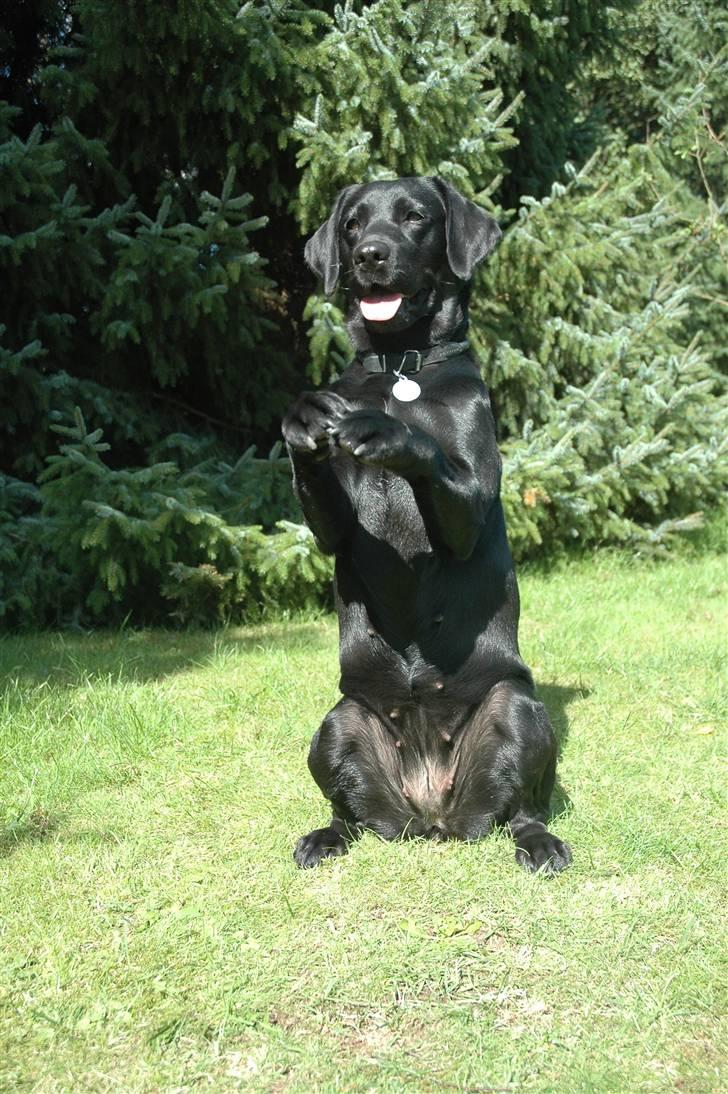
105,542
544,47
668,91
389,80
610,412
159,168
175,291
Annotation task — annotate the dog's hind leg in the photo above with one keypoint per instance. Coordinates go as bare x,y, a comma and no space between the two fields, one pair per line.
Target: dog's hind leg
325,843
537,849
326,758
506,766
355,761
324,761
529,729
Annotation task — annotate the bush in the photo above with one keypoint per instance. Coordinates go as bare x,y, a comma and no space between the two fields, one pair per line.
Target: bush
94,544
160,166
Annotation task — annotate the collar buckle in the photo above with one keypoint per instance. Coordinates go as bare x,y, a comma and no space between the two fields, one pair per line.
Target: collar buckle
412,360
403,367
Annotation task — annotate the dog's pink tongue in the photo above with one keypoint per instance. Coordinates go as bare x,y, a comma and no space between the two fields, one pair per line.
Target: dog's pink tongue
380,308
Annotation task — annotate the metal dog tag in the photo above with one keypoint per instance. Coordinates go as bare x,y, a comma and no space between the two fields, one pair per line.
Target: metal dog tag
406,391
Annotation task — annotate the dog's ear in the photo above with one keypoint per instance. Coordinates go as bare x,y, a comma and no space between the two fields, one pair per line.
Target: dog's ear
470,232
322,249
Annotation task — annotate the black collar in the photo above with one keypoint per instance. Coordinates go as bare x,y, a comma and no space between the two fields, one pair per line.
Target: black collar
411,360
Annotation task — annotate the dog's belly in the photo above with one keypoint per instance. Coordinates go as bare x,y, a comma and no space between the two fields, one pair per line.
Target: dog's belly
418,626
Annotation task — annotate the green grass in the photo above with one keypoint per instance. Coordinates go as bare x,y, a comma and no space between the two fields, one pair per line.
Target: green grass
155,935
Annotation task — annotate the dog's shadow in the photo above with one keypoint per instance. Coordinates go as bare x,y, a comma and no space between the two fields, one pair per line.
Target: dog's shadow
556,698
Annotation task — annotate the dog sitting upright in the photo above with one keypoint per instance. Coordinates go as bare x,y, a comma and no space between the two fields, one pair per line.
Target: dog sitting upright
438,733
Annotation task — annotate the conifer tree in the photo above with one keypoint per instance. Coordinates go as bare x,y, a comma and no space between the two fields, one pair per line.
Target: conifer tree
159,169
669,90
152,541
543,50
389,80
612,419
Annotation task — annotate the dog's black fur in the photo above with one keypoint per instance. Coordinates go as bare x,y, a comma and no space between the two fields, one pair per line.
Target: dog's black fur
438,733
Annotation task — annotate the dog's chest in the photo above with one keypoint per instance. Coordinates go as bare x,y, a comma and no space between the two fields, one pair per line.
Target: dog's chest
400,396
388,512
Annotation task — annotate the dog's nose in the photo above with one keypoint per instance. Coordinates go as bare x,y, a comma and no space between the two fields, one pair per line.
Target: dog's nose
371,253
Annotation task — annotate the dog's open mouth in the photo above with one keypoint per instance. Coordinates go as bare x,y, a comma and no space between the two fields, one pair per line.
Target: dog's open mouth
379,307
380,304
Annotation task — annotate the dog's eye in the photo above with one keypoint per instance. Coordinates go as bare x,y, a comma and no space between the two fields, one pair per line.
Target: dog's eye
352,224
413,216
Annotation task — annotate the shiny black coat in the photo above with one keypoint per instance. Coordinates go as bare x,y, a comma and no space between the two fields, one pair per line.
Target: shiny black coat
438,733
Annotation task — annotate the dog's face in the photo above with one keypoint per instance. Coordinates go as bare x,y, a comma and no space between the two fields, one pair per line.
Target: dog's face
397,244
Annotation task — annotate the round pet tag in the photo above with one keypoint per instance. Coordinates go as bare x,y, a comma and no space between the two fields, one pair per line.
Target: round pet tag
406,390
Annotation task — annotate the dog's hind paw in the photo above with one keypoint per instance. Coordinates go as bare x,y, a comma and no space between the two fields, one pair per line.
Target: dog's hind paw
317,845
542,853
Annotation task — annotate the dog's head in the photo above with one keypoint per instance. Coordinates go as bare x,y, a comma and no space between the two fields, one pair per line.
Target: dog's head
398,247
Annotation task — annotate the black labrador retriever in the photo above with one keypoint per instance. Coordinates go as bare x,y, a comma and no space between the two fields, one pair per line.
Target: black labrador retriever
438,733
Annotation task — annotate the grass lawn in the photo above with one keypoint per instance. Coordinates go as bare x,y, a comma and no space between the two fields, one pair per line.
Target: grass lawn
156,936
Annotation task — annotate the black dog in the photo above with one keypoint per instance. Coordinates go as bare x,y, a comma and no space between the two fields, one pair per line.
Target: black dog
397,470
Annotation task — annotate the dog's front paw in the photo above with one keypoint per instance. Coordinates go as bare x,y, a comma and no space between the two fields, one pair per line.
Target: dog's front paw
309,422
372,436
317,845
543,853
